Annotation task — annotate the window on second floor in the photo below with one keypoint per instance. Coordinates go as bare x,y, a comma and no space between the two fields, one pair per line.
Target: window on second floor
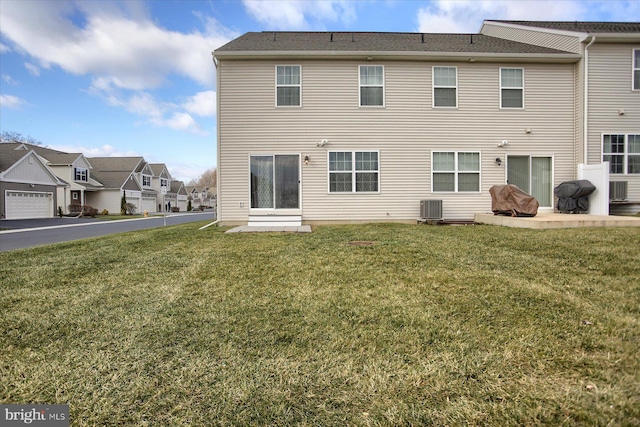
164,182
146,181
636,69
622,152
371,82
455,171
511,88
81,174
288,86
445,87
353,172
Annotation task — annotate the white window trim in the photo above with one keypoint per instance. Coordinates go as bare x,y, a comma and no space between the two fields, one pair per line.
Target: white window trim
521,88
79,171
634,69
283,85
353,172
146,176
456,172
279,211
434,87
384,95
625,155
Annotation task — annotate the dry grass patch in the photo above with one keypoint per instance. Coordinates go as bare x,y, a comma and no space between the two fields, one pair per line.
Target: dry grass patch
430,325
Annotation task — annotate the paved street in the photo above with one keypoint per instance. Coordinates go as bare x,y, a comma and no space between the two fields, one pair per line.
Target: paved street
19,234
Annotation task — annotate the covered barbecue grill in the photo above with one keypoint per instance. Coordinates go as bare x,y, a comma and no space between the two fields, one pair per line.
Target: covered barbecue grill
573,196
511,200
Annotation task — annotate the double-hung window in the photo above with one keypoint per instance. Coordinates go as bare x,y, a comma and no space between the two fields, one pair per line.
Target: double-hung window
445,87
146,181
455,171
164,182
80,174
636,69
288,86
371,84
511,88
622,151
354,172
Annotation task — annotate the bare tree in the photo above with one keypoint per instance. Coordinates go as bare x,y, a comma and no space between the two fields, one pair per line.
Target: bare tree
10,136
209,178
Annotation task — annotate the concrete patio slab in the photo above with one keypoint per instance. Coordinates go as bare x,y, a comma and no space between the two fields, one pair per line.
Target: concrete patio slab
270,229
558,220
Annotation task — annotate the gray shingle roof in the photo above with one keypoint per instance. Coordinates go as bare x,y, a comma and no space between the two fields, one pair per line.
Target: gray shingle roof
583,27
54,157
114,171
377,42
9,156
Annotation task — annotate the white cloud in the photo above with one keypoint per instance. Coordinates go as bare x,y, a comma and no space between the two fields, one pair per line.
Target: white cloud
10,101
102,151
297,14
202,104
154,111
117,42
466,16
32,69
182,121
9,80
4,48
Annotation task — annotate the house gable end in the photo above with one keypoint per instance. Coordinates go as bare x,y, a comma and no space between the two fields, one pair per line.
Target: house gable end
30,169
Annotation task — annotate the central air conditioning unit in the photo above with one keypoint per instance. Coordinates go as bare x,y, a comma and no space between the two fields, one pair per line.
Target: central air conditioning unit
431,209
618,190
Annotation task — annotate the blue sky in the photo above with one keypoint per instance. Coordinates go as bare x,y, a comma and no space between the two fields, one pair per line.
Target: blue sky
109,78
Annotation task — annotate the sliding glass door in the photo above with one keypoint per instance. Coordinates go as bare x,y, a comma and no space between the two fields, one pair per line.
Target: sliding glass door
533,175
275,181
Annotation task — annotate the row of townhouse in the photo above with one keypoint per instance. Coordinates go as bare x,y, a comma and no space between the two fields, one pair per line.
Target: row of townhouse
322,127
36,181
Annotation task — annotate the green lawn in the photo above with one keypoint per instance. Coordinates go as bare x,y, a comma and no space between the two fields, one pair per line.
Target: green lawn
429,325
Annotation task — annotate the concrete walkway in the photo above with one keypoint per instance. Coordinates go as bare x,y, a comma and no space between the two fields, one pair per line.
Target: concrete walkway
271,229
558,220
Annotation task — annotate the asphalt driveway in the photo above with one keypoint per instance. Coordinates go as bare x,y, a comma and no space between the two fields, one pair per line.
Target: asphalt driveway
19,234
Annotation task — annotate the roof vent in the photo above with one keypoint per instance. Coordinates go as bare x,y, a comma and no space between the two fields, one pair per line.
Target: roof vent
331,36
422,37
471,38
274,36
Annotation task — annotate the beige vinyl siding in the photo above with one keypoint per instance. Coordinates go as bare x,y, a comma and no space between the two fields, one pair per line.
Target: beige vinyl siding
539,37
30,170
105,199
609,91
405,132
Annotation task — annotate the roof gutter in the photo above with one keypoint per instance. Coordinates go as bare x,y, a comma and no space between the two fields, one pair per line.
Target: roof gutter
408,55
585,135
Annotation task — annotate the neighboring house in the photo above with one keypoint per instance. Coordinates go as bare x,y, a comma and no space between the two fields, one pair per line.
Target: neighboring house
72,168
342,127
607,92
28,187
201,196
182,198
122,175
162,178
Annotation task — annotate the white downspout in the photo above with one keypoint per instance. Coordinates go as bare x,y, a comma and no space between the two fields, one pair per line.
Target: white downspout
219,165
585,131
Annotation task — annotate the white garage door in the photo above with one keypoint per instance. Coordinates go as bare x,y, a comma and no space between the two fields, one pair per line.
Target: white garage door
149,204
25,205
